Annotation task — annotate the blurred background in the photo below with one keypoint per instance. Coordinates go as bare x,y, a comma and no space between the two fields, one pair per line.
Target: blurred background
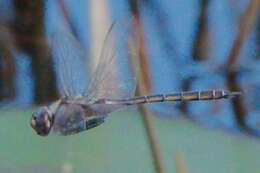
185,45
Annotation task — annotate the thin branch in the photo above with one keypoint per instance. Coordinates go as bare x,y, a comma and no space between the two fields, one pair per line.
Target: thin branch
202,41
180,164
258,38
247,20
143,88
7,61
238,106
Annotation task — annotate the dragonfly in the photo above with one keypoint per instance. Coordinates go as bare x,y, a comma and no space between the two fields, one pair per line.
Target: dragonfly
110,88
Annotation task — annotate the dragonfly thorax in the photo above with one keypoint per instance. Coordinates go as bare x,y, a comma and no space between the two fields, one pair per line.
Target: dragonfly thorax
71,117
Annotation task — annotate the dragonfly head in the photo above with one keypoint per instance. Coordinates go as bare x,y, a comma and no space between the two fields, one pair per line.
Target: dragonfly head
41,121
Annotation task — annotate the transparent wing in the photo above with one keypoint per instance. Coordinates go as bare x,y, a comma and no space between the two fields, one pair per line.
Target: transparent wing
70,63
113,77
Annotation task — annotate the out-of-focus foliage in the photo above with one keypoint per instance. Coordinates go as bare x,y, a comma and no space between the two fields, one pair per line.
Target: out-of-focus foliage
176,36
186,45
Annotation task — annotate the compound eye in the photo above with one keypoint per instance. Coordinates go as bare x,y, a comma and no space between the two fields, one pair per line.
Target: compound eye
34,116
33,121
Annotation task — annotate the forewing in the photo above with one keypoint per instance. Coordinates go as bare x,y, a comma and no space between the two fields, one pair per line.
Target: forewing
70,63
113,77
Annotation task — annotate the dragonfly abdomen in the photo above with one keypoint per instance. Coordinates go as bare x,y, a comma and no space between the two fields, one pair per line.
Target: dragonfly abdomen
180,96
199,95
191,96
